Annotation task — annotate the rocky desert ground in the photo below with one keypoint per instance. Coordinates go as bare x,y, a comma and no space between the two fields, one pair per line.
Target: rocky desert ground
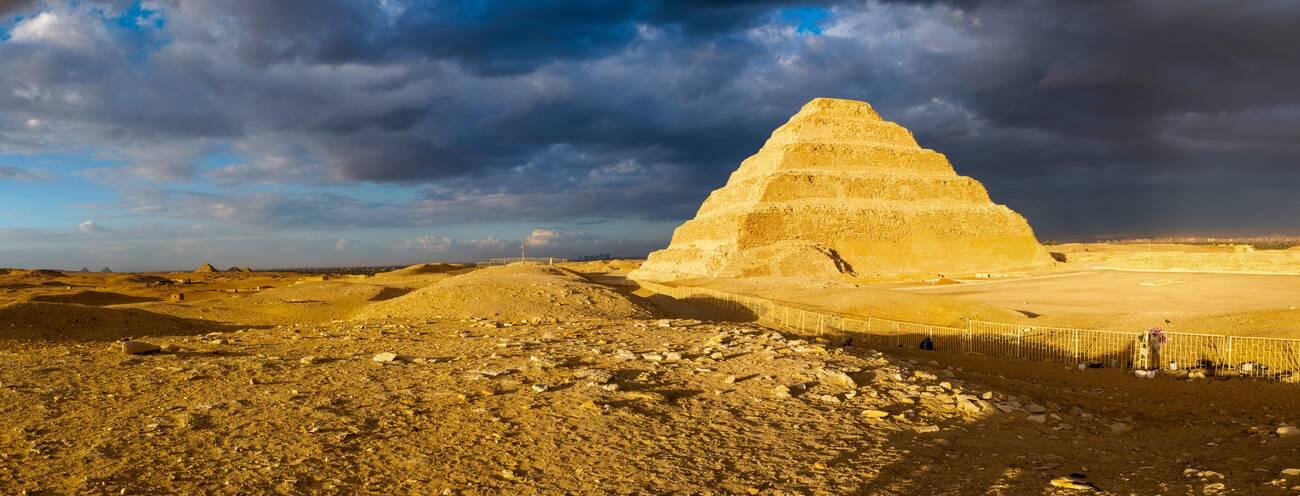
541,380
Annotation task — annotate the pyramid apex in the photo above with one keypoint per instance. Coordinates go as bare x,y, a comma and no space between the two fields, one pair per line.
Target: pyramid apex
846,108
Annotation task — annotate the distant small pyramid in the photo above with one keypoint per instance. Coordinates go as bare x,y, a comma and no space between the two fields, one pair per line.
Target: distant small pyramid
106,270
83,269
206,267
233,269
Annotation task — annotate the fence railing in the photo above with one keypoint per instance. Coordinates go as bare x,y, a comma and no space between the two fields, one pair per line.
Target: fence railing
1269,358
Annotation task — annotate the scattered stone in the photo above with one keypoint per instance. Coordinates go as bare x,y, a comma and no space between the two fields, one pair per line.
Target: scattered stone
597,376
730,379
193,421
781,391
1214,488
1035,408
1120,427
875,414
988,395
672,356
624,355
1074,481
386,357
968,407
1288,431
1037,419
1291,472
311,360
836,377
540,388
139,348
924,429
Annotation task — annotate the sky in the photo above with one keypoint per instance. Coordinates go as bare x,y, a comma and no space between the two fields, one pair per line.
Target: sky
160,134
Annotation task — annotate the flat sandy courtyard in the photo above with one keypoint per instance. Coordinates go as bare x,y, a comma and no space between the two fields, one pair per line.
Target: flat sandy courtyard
1230,303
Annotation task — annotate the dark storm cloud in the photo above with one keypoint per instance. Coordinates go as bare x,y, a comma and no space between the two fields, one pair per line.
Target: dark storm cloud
1089,117
11,6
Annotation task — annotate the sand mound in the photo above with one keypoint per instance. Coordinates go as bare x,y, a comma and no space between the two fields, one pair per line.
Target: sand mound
93,298
207,267
137,279
511,293
837,191
603,266
422,269
35,273
61,321
306,302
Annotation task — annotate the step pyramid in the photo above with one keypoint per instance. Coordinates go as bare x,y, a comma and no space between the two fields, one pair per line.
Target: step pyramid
837,191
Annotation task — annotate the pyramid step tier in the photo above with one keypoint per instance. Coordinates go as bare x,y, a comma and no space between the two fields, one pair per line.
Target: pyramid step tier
762,223
814,184
843,157
815,128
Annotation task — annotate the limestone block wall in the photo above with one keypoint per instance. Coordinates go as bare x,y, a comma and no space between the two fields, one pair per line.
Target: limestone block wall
836,192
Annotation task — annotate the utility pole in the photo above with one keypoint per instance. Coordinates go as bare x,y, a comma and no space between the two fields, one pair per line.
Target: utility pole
523,251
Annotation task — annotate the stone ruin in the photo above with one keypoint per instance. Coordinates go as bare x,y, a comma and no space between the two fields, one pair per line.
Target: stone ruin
839,192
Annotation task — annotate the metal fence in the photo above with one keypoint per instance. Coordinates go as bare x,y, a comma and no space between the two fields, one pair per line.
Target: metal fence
1212,355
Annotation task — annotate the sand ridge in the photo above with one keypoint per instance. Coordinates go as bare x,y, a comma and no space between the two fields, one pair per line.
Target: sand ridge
511,293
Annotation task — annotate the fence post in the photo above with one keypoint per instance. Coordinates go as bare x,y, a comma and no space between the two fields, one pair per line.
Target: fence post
1020,333
1229,364
1076,345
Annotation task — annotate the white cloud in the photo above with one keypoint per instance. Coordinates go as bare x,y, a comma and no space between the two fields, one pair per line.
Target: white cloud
488,243
428,243
543,237
91,227
341,245
64,30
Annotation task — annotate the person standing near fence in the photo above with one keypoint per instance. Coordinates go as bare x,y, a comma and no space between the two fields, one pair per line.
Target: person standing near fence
1149,348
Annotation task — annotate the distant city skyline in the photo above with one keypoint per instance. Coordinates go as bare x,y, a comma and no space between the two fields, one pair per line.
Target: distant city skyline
160,134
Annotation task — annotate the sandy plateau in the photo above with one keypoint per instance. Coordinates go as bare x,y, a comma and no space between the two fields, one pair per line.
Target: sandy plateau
540,380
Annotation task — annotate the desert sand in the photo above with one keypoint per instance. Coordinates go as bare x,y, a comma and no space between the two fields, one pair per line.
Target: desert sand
539,380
